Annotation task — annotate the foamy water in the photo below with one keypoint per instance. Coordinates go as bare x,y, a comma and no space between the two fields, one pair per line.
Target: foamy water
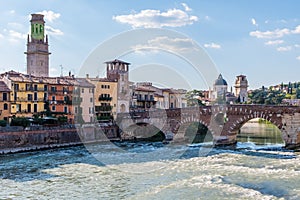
151,171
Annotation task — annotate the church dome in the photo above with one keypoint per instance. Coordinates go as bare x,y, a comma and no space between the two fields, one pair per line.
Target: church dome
220,81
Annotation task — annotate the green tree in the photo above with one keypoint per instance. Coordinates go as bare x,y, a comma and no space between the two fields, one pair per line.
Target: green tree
20,121
272,97
193,98
3,123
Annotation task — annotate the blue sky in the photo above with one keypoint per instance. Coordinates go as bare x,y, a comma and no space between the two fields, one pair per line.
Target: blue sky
260,39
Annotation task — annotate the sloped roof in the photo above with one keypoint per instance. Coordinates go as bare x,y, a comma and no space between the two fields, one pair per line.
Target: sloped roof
3,87
117,61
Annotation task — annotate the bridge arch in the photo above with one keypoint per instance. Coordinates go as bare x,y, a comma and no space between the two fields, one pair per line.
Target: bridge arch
143,131
185,124
236,123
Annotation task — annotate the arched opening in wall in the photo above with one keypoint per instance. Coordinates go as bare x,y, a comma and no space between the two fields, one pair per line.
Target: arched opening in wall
122,108
197,133
260,132
145,132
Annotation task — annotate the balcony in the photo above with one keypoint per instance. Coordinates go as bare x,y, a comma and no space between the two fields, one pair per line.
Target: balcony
145,99
101,98
103,109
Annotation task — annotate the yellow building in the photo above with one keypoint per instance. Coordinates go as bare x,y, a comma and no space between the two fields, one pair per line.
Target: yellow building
27,95
105,98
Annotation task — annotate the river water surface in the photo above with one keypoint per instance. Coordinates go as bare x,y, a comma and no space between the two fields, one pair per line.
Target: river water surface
259,168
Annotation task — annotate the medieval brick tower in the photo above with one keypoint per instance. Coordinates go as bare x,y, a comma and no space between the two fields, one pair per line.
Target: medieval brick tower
37,48
241,88
117,70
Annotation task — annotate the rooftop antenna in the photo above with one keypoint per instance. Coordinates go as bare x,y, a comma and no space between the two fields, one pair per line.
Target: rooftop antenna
61,70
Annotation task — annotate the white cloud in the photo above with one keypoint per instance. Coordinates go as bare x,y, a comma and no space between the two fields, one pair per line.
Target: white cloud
49,15
296,30
53,31
14,35
157,19
297,45
274,42
212,46
12,12
165,43
253,21
1,36
186,7
298,58
287,48
278,33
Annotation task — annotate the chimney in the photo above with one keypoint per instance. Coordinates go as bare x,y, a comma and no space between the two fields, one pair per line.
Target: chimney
87,76
70,73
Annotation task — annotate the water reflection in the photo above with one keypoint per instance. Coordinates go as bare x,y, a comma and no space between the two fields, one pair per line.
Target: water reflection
260,133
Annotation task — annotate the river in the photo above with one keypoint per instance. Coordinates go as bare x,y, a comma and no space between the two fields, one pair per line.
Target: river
259,168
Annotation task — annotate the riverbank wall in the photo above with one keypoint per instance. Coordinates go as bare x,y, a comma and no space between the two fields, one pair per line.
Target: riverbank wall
18,139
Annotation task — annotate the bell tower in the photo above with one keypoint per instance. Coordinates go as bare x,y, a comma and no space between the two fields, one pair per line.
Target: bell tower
37,48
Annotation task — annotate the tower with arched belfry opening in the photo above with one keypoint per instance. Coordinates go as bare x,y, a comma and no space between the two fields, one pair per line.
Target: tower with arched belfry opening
37,48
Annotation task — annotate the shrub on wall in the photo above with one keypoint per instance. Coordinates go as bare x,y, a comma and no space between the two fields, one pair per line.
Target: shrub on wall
3,123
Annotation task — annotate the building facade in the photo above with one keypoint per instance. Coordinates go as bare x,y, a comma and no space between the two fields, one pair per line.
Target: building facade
105,98
4,101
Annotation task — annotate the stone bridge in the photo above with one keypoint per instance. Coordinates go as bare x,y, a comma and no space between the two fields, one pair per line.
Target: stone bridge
223,121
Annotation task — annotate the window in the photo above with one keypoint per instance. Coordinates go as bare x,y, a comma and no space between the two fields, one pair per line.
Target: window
35,97
45,96
53,108
19,108
4,97
45,106
35,87
53,89
82,90
35,108
15,96
76,110
16,87
5,106
29,97
45,87
90,110
65,109
29,87
53,98
91,99
65,89
28,107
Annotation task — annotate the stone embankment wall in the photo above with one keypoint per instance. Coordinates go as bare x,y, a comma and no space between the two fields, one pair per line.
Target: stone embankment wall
17,139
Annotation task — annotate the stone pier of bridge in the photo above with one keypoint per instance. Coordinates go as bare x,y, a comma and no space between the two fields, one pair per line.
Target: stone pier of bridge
223,121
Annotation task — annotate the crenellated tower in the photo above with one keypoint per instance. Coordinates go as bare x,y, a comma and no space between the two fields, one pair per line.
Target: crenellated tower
241,88
37,48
